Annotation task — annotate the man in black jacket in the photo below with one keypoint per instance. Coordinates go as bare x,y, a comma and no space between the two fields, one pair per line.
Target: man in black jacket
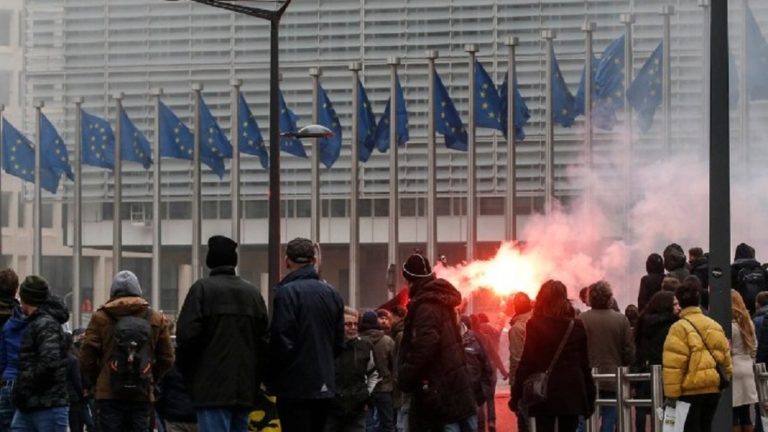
222,341
747,275
307,334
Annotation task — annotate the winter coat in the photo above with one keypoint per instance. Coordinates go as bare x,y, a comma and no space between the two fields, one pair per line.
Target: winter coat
383,356
479,367
352,370
74,380
174,403
651,332
489,337
758,319
611,343
761,334
688,366
700,269
42,376
432,366
397,336
571,389
221,339
650,284
10,344
675,262
307,334
744,389
7,305
516,342
747,265
98,344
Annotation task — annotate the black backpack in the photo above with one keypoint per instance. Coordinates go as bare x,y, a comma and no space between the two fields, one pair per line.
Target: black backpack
752,281
130,367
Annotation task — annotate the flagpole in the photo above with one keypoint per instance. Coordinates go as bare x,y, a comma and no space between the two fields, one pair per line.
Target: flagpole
394,207
704,4
471,49
666,13
511,213
315,73
37,241
117,220
156,216
77,240
588,28
431,161
354,186
235,166
549,188
197,88
628,19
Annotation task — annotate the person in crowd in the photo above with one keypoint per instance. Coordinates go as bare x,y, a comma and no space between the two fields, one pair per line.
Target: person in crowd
40,390
356,377
174,404
385,320
670,284
675,262
489,336
399,399
432,366
124,393
570,388
632,314
695,348
698,261
89,409
748,277
74,387
584,297
761,309
650,284
479,369
743,347
522,312
10,343
651,332
611,344
222,314
306,335
384,359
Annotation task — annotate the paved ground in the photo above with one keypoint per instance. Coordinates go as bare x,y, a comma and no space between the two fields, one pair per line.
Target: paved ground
505,419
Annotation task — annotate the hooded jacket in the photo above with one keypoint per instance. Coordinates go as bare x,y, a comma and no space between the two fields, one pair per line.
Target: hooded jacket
651,332
98,344
650,284
13,331
383,357
42,370
689,364
432,366
700,269
675,262
745,262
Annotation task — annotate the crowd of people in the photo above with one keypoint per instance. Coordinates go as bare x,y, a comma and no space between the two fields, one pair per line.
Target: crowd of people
425,366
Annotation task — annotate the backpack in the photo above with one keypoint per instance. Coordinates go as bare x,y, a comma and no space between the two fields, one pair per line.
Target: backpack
752,281
130,366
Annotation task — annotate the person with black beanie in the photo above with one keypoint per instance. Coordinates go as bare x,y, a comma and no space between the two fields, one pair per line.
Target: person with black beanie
222,314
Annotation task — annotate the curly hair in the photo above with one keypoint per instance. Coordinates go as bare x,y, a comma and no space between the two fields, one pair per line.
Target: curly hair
600,295
9,283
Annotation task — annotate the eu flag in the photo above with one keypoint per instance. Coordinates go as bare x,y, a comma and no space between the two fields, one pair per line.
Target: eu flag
55,155
757,60
579,101
19,159
522,114
251,141
176,141
487,102
366,125
330,148
447,120
645,92
382,129
98,141
214,145
288,121
609,85
562,99
134,145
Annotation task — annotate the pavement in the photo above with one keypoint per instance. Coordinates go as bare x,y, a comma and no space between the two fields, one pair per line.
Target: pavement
505,419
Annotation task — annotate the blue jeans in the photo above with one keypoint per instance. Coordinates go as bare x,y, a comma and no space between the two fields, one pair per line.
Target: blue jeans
222,420
42,420
607,419
6,407
469,424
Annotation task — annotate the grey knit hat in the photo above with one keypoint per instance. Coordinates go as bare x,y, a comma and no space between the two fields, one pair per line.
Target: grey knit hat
125,284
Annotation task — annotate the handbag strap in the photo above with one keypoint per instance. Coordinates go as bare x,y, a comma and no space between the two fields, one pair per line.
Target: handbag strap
704,341
560,348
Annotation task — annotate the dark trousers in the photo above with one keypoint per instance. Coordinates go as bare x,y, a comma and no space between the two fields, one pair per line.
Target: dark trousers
701,413
122,416
303,415
381,402
565,423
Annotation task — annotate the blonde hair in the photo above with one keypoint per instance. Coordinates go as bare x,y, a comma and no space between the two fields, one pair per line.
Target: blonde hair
743,321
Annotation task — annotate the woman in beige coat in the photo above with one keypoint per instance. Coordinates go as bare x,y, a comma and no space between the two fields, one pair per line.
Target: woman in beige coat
743,352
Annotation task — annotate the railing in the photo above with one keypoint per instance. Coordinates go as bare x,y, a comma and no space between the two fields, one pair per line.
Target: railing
761,381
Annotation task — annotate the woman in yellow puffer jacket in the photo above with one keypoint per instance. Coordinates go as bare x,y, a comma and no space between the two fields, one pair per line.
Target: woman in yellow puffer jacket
689,361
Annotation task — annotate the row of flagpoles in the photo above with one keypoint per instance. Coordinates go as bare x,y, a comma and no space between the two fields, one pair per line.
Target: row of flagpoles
600,96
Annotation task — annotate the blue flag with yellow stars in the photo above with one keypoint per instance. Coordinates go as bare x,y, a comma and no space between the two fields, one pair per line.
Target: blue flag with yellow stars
609,86
487,102
382,129
366,125
214,145
134,145
645,92
522,114
757,60
562,99
447,120
251,140
98,141
578,104
19,159
288,121
55,155
176,141
330,148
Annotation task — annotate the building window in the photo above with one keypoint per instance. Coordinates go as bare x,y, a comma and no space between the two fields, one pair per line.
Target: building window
107,211
5,28
408,207
179,210
492,206
46,220
443,206
225,210
256,209
364,208
303,208
381,207
5,208
210,209
338,208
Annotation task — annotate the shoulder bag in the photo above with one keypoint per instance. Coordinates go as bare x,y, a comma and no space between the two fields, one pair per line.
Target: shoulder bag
535,386
724,381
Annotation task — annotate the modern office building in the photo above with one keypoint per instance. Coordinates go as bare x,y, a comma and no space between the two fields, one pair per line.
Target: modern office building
97,48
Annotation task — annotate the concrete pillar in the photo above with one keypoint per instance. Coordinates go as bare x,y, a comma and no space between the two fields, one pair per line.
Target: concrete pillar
101,282
185,282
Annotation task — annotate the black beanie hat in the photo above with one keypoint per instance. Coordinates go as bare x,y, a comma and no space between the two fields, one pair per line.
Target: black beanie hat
222,251
368,321
416,267
34,291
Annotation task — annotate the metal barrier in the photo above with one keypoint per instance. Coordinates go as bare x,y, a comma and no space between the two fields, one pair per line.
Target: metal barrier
761,381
